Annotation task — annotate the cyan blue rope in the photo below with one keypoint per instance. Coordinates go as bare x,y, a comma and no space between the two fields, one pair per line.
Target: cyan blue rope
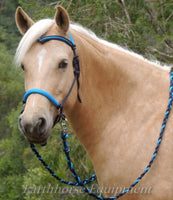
86,181
71,39
41,92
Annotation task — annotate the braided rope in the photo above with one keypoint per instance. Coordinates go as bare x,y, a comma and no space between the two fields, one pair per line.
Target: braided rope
82,184
86,181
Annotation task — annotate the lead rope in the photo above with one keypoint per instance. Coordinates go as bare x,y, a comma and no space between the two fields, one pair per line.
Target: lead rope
82,184
66,149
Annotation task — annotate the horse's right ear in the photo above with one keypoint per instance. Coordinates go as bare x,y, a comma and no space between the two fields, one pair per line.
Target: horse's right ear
23,21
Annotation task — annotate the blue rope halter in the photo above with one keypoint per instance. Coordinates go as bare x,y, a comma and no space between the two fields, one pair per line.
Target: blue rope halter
76,73
66,149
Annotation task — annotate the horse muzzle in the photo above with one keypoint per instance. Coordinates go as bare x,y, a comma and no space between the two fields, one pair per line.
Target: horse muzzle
36,129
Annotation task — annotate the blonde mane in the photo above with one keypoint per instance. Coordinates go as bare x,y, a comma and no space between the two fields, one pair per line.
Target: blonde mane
42,26
115,46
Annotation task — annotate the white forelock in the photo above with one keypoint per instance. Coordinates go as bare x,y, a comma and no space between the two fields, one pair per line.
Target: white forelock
31,36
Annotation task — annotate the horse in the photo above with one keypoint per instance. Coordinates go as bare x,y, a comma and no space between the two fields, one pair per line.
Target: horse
123,101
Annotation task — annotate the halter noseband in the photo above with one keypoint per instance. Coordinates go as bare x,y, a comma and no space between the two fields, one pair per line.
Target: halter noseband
76,74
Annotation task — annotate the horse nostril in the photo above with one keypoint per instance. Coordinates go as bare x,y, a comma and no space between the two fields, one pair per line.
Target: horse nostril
41,125
33,128
20,125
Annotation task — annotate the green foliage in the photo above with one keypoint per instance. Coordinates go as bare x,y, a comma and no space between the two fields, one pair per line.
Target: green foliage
11,88
7,24
146,28
11,161
39,184
109,21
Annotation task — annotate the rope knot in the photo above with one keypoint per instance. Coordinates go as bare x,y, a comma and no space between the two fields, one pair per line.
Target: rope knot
76,65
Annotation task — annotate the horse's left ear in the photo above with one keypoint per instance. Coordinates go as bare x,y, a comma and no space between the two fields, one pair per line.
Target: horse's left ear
62,19
23,21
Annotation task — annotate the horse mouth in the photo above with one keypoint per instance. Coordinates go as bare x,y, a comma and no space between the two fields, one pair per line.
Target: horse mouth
40,141
36,131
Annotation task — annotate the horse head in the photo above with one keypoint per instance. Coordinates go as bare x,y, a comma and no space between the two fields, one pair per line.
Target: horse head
48,66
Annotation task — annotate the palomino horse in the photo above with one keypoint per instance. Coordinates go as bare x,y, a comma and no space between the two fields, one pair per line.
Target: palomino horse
124,98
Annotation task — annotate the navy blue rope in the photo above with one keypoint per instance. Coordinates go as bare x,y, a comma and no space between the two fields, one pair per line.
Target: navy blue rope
86,181
60,38
69,92
82,184
75,59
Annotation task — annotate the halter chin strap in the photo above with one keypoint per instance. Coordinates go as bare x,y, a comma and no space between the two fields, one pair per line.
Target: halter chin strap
76,74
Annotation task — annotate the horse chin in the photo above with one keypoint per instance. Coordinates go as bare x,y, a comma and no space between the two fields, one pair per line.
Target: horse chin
41,141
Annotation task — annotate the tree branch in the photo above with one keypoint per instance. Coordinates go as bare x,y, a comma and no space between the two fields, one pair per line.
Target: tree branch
154,22
53,3
169,43
125,11
161,31
161,53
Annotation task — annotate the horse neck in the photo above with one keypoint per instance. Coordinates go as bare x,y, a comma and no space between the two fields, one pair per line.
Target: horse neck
112,82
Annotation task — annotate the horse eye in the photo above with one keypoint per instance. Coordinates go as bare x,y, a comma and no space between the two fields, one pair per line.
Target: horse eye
63,64
22,66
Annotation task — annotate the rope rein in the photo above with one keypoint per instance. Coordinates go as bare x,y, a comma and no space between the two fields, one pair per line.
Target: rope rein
82,183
